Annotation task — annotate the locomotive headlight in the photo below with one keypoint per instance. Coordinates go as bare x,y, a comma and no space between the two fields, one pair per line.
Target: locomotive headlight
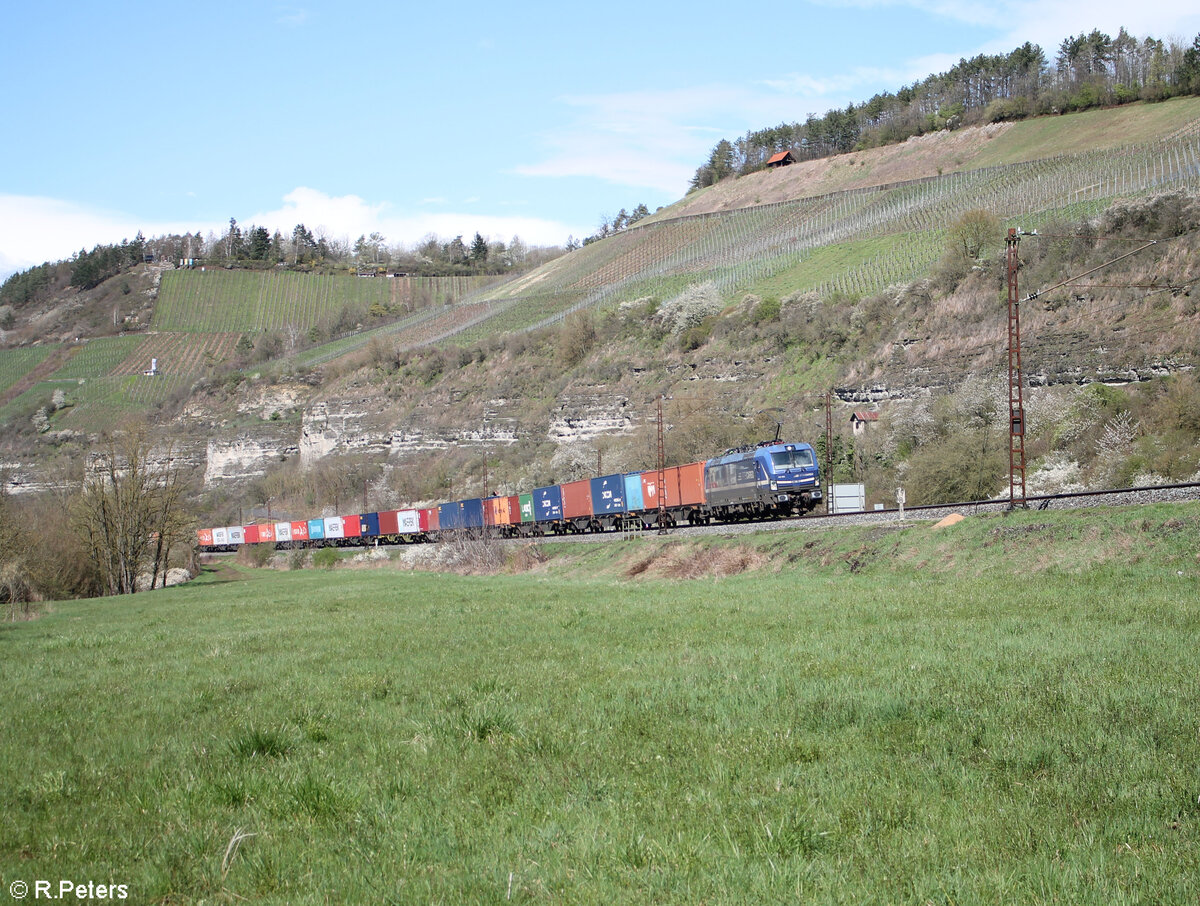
774,485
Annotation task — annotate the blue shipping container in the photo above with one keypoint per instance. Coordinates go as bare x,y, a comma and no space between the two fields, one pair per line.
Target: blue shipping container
472,513
547,504
369,524
608,495
316,528
634,501
462,514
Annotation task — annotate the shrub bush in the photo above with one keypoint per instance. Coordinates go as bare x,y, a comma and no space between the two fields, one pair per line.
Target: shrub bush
256,555
967,465
690,307
326,558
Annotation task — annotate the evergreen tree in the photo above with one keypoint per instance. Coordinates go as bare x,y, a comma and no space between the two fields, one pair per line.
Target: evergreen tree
479,250
260,244
1188,76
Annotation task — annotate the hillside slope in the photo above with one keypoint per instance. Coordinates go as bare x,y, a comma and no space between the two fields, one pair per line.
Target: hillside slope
939,153
542,376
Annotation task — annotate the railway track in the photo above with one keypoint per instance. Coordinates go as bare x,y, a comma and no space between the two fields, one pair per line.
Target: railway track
1174,493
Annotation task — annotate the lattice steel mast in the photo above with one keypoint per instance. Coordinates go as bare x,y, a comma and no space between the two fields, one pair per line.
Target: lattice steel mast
1016,400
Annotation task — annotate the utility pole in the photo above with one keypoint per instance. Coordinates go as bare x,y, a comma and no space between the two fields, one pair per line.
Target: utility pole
662,471
1016,402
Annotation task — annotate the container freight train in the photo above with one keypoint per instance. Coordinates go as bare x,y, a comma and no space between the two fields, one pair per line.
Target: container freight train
763,481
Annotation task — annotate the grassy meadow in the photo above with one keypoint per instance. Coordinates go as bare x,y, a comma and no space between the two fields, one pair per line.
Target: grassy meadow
1002,711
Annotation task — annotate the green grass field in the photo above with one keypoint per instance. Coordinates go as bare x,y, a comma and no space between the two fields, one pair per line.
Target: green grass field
999,712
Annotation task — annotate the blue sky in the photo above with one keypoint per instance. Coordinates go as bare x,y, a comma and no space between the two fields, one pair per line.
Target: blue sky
530,119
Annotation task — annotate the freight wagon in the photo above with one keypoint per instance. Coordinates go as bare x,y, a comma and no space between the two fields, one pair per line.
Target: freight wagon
765,480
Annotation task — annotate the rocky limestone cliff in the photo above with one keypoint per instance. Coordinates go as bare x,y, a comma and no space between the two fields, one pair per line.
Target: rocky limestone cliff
245,457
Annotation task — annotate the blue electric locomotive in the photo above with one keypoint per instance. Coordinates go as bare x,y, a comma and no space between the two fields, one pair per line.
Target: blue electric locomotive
767,479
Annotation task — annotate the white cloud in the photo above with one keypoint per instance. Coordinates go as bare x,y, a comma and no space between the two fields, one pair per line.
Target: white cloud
291,16
334,215
650,139
35,229
1048,22
655,139
836,85
348,217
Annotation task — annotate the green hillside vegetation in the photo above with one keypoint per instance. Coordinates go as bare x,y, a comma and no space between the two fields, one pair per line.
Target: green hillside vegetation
16,363
722,362
1098,130
233,301
97,404
856,242
946,152
97,357
750,248
885,713
1090,71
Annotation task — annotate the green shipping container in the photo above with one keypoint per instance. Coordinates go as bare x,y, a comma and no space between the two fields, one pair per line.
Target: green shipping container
526,501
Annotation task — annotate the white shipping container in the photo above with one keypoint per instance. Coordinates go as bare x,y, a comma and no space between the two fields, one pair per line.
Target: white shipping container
409,522
283,531
335,527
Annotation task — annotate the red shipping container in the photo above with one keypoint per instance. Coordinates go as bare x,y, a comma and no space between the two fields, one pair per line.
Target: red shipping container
683,486
577,499
389,523
266,532
300,530
514,510
204,537
250,534
650,490
429,519
352,526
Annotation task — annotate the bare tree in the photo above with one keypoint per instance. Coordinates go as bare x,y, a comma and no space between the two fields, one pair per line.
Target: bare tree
972,234
130,511
15,590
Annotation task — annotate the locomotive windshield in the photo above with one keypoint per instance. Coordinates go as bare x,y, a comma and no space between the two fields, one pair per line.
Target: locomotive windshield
793,459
